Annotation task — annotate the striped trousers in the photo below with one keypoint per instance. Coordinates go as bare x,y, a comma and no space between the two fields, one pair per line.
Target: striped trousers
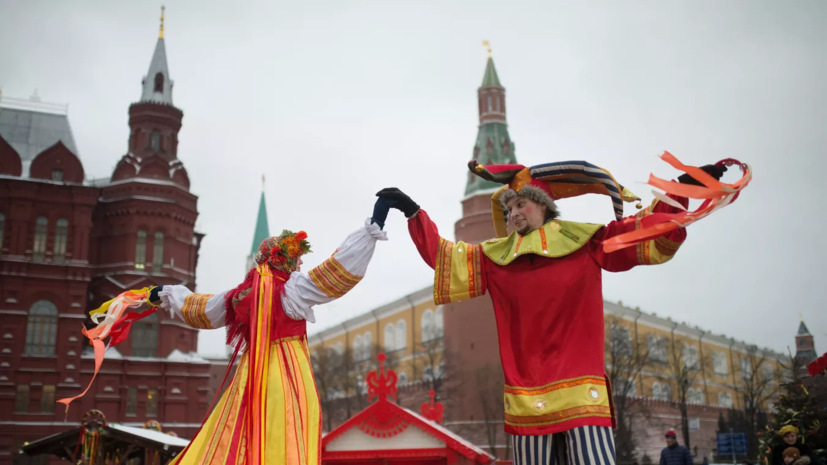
586,445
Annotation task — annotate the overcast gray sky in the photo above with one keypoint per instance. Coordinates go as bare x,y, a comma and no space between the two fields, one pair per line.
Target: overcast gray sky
334,100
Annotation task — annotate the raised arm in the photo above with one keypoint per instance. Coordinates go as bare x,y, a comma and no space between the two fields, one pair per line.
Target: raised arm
458,267
334,277
656,250
202,311
652,252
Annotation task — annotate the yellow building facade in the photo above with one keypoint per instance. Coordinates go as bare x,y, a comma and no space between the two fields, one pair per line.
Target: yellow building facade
717,370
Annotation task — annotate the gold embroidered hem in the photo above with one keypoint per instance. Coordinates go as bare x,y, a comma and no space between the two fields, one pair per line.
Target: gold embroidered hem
458,272
585,411
194,311
557,402
333,279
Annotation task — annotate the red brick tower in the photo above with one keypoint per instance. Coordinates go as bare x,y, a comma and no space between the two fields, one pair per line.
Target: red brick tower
470,329
144,223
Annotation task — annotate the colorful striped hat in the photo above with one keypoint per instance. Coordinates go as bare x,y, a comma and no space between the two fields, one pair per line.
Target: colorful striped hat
559,180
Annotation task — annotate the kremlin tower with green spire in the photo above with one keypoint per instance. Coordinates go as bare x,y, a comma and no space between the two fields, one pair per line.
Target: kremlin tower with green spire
493,147
262,228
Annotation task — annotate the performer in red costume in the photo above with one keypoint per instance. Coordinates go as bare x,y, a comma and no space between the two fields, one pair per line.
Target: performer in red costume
544,279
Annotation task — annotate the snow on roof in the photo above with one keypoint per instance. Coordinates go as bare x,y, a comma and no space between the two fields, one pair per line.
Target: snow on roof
178,356
449,433
156,436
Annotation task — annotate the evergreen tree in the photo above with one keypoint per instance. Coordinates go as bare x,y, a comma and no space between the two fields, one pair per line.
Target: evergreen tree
796,407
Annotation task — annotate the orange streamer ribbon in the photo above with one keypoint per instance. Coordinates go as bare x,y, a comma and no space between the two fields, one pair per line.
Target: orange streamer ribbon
109,317
716,195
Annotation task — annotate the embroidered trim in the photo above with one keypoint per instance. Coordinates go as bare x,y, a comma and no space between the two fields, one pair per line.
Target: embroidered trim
442,272
666,247
474,270
333,279
543,240
555,386
594,379
570,235
560,416
194,311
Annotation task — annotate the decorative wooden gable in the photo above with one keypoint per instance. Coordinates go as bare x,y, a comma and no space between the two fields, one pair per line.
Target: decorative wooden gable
384,430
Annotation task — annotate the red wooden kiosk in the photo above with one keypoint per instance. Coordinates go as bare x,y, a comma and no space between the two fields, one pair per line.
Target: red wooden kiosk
385,433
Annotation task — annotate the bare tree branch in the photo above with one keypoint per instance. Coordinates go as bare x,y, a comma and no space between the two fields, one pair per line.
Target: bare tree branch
626,356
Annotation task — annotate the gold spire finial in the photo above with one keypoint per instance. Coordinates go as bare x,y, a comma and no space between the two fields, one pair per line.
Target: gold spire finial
487,44
161,32
262,183
801,315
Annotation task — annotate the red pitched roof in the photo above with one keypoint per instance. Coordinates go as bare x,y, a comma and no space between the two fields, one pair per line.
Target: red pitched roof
385,419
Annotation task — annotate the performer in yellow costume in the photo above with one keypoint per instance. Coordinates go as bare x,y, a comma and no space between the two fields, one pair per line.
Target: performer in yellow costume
270,412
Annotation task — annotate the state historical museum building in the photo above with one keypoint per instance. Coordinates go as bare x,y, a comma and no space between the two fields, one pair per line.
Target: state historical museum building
68,244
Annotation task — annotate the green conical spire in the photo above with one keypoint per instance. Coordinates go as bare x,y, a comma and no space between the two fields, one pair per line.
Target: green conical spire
493,145
490,79
262,229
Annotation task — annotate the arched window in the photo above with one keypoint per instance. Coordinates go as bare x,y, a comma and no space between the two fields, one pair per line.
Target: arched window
357,348
61,232
41,330
158,253
489,104
666,392
140,251
2,229
367,346
498,103
131,401
155,140
725,399
151,403
695,396
690,357
438,322
47,399
340,348
656,391
40,232
145,337
159,83
428,375
390,346
719,363
401,337
403,379
428,329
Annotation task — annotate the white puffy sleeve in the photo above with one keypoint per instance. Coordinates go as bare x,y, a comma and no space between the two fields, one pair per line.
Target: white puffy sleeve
334,277
202,311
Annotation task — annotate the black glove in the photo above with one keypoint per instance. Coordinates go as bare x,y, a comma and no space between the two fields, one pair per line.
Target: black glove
403,202
380,210
712,170
154,298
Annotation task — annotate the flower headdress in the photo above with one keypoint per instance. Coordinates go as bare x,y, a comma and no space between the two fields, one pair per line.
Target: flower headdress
282,252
